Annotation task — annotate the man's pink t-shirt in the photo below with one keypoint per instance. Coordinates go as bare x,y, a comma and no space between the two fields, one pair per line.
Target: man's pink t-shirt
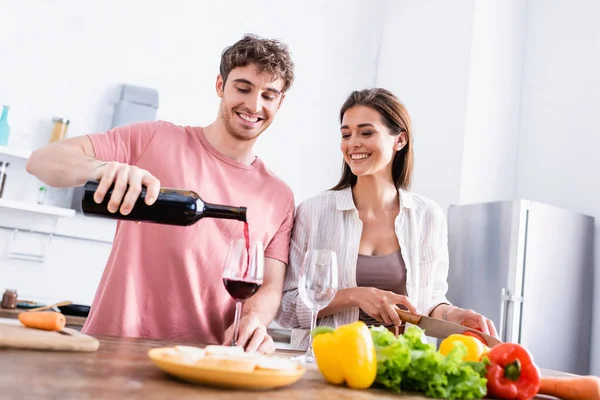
162,281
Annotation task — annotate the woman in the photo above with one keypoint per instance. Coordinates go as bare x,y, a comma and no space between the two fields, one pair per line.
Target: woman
391,244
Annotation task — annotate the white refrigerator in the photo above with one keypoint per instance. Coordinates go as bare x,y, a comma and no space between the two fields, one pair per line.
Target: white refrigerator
528,267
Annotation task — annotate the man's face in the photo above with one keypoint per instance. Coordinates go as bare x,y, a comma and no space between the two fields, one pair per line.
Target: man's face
249,101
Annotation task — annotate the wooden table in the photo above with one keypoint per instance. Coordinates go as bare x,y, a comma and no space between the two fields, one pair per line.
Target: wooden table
121,369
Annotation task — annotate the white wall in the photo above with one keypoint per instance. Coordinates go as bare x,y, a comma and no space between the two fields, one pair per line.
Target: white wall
457,66
491,134
559,140
68,59
425,60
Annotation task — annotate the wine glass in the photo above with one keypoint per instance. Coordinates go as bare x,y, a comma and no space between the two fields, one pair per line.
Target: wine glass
317,286
242,275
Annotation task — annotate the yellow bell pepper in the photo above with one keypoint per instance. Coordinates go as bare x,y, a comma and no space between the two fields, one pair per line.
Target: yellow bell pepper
475,349
346,354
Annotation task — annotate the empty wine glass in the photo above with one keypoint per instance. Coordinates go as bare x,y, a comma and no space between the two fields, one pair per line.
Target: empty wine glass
317,286
242,275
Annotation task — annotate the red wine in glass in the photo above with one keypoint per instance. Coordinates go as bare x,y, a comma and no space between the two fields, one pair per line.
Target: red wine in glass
240,290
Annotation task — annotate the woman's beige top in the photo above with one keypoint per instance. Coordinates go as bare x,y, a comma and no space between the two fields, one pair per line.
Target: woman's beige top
386,272
330,221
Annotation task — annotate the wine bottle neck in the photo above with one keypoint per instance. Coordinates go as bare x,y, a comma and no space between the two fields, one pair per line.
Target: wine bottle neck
208,210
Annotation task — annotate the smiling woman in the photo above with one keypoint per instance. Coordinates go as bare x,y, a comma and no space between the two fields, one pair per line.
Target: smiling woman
375,123
391,244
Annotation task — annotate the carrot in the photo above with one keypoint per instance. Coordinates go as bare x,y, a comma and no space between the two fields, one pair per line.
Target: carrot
47,320
571,388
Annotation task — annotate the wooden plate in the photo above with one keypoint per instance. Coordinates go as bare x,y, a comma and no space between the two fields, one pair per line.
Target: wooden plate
257,379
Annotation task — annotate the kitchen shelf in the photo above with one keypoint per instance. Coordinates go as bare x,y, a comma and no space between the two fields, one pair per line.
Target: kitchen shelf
36,208
12,152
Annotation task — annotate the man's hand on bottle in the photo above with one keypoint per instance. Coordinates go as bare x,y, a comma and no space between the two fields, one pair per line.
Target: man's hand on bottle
128,181
252,336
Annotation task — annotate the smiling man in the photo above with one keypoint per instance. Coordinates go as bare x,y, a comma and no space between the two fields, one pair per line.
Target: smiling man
164,282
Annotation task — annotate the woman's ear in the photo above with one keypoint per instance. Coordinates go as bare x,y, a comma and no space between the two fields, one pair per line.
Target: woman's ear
400,141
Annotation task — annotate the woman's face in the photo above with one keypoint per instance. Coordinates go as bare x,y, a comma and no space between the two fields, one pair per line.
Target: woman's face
367,145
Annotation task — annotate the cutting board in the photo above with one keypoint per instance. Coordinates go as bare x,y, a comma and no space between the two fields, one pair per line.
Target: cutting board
14,335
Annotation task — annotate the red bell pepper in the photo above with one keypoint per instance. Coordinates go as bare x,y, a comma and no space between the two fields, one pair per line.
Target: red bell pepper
512,373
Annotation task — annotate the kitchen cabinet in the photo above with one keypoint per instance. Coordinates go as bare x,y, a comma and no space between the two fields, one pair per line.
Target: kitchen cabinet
70,269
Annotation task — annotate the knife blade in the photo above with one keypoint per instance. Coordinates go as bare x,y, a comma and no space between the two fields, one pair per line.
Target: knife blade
441,329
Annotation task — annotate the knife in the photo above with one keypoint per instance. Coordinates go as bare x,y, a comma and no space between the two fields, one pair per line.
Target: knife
441,329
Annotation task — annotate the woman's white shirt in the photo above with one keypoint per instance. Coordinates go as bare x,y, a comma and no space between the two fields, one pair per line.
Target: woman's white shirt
330,221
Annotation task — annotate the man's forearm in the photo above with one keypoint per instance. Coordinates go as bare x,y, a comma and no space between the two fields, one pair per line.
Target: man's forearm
263,305
61,166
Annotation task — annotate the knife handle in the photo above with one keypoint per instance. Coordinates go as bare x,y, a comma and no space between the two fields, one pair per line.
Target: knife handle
408,317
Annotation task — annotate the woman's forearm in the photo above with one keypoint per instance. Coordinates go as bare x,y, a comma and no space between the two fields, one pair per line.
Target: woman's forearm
441,311
344,299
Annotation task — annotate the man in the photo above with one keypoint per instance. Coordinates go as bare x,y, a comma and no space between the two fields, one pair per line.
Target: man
164,281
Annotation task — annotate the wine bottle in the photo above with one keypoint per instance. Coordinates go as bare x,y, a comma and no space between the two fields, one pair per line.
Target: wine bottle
172,207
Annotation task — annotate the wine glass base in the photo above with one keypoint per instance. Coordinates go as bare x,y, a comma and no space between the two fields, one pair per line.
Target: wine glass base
304,359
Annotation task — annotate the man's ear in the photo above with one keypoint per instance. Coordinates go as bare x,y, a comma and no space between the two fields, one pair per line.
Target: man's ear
220,86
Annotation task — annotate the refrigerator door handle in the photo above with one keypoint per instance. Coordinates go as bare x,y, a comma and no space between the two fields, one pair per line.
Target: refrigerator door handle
504,298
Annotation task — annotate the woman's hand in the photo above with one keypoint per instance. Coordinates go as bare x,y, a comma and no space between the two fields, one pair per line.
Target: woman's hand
379,304
470,319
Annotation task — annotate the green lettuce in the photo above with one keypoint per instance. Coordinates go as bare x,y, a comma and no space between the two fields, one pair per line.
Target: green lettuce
408,363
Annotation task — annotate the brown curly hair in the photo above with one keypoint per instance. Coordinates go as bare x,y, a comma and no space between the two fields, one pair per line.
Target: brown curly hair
269,55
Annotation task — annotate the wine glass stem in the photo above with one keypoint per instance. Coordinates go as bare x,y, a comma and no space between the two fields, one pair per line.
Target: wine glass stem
313,325
236,323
